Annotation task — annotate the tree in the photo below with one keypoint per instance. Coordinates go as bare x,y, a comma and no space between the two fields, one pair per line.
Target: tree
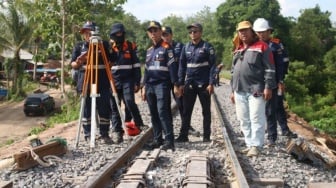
313,36
16,34
59,24
230,13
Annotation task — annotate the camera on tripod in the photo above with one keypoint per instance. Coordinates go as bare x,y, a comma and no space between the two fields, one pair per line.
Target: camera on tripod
95,37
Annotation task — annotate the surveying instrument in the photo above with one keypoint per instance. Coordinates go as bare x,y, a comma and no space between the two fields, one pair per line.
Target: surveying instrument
91,78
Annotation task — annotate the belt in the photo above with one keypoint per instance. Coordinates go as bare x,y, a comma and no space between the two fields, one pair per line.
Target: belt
118,67
195,65
94,66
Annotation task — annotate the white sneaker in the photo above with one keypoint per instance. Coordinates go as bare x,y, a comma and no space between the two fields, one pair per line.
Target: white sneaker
253,152
245,151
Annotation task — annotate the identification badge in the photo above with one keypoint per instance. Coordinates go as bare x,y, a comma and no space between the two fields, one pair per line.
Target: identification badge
157,64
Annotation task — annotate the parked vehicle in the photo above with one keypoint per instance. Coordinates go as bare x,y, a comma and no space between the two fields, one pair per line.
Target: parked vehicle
3,93
38,104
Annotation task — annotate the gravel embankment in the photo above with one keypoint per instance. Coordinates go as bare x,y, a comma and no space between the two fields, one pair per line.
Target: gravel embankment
170,168
273,162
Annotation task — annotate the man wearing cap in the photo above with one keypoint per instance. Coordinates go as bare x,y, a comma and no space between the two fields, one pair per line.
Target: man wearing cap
274,107
127,74
160,74
196,78
252,81
79,62
167,36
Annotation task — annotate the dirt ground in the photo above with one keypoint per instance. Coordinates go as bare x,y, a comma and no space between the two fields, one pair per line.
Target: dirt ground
14,125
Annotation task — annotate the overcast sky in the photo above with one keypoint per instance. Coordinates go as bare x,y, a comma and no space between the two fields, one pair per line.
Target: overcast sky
146,10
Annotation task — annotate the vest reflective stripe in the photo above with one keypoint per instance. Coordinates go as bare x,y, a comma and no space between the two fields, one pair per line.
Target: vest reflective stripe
119,67
195,65
104,121
94,66
269,70
286,59
170,62
161,68
136,65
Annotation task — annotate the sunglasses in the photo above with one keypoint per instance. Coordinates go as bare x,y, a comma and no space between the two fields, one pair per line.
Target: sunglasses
193,31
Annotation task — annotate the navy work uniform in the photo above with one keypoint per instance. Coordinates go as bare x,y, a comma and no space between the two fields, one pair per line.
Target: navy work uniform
274,107
103,85
177,49
127,75
196,73
160,73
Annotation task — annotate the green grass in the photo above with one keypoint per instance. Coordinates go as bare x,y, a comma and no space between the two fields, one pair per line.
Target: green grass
7,142
225,74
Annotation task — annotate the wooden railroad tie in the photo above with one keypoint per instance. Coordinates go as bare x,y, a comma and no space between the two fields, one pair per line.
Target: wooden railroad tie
136,175
6,184
322,185
301,150
25,160
198,173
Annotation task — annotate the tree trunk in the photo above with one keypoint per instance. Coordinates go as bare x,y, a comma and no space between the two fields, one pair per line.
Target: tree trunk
63,45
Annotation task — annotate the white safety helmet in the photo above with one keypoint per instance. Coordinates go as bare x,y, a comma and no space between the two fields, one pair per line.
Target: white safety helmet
261,24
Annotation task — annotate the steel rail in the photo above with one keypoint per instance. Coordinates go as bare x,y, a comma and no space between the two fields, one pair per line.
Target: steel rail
240,177
103,178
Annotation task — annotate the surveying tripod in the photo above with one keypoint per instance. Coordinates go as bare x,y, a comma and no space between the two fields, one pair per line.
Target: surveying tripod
91,77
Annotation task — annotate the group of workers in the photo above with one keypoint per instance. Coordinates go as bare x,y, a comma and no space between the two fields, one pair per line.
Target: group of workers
170,67
259,66
185,71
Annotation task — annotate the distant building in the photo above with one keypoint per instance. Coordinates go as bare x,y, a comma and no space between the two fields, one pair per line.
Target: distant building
51,66
24,56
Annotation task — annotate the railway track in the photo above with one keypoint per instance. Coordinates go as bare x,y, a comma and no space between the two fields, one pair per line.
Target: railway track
194,163
198,167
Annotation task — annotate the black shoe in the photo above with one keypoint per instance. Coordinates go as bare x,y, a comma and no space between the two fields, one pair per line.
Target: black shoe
143,127
168,146
271,142
206,140
154,144
117,137
182,139
106,140
289,134
87,138
193,132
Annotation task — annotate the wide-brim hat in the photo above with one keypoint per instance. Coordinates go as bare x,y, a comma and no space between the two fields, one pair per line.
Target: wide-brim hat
244,25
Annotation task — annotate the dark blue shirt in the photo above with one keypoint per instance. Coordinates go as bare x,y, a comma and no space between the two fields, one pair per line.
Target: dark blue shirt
197,64
281,59
83,47
160,64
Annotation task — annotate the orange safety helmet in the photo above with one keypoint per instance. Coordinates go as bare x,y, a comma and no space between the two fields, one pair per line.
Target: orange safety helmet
131,128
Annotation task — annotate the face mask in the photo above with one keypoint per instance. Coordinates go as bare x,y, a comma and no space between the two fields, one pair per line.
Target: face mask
118,39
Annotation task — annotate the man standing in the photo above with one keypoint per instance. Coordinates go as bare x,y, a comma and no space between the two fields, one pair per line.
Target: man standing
160,74
167,36
253,78
127,74
274,106
196,78
79,62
